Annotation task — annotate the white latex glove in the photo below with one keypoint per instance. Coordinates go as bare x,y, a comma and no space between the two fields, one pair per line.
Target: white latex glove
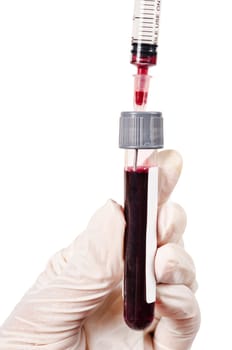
76,303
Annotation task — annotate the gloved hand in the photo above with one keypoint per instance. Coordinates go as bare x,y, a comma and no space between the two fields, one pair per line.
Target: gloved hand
76,303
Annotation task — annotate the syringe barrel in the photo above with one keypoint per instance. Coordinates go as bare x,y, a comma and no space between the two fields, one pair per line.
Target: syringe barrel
145,33
141,133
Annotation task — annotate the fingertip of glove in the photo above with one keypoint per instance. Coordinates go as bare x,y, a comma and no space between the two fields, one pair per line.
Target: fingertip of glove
177,301
170,165
100,246
113,213
170,158
172,221
110,213
116,209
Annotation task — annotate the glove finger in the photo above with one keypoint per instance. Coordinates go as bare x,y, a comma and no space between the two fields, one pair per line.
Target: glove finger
180,319
171,223
74,284
173,265
170,165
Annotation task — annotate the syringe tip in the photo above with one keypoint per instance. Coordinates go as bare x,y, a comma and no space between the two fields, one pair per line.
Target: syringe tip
141,91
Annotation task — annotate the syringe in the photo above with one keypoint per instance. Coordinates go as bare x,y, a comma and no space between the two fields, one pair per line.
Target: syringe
145,33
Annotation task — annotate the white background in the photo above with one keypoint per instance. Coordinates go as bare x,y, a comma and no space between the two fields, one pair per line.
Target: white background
64,79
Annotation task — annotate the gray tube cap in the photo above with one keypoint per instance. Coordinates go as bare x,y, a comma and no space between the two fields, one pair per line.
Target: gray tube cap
141,130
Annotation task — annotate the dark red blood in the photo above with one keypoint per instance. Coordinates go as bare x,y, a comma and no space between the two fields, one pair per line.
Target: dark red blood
138,313
143,70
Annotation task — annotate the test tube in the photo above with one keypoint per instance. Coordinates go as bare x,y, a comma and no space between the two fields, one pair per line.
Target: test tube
141,134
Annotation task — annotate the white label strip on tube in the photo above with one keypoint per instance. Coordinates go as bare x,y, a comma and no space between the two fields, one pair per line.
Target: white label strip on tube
151,239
